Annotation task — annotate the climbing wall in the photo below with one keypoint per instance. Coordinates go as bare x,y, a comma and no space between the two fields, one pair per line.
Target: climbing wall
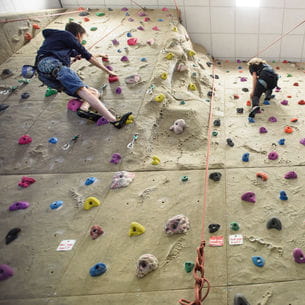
165,178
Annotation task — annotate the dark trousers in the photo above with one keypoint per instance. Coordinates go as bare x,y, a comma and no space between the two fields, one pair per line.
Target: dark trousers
259,90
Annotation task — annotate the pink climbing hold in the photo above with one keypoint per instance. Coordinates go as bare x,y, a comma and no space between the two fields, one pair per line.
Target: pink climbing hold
302,141
164,9
291,175
141,14
150,42
102,121
26,181
74,105
25,139
140,28
249,197
113,78
5,272
284,102
298,256
124,58
124,9
116,158
277,89
131,42
146,19
19,205
273,155
155,28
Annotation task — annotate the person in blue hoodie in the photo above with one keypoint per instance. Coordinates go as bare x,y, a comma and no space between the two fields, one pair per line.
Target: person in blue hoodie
53,62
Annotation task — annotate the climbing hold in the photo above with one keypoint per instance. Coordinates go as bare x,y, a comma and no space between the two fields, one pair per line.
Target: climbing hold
216,123
146,263
98,269
249,197
296,84
160,19
284,102
178,126
272,119
245,89
12,235
302,141
143,59
174,29
56,205
91,202
281,141
90,180
163,75
184,178
7,72
25,139
140,28
266,102
214,227
289,75
83,13
301,102
96,231
169,56
177,225
240,110
291,175
100,14
118,90
5,272
274,223
53,140
273,155
181,67
214,133
133,79
25,95
102,121
19,205
258,261
298,256
262,176
293,120
94,28
192,87
116,158
251,120
121,179
288,129
239,299
244,79
263,130
191,53
230,142
235,96
28,36
26,181
113,78
130,119
248,103
189,266
50,92
245,157
151,42
124,9
136,229
159,98
146,19
124,59
216,176
86,19
155,160
36,26
74,105
234,226
115,42
283,195
155,28
132,41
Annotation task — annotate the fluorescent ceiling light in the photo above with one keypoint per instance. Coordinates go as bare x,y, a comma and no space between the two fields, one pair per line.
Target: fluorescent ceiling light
247,3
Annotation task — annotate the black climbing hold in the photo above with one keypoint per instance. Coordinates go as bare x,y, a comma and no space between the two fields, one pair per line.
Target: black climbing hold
274,223
215,176
25,95
216,76
240,299
12,235
209,64
240,110
210,93
230,142
6,73
214,227
245,89
217,123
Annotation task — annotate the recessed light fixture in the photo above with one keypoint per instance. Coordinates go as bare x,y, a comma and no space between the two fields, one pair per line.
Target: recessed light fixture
247,3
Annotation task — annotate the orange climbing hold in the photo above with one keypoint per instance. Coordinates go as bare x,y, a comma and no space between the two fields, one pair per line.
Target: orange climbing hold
288,129
36,26
294,120
236,96
289,96
301,102
28,36
86,19
81,9
263,176
248,103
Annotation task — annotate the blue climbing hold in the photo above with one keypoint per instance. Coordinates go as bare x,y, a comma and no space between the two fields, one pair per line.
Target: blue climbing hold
119,51
90,180
160,19
251,120
127,14
56,205
53,140
281,141
98,269
258,261
245,157
143,59
266,102
283,195
129,34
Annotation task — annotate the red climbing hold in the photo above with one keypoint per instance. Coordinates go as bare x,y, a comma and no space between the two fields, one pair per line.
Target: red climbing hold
301,102
289,96
288,129
236,96
277,68
285,61
294,120
36,26
86,19
25,139
248,103
296,84
26,181
28,36
113,78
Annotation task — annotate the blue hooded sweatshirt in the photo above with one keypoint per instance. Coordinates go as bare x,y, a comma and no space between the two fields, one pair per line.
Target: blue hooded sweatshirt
62,45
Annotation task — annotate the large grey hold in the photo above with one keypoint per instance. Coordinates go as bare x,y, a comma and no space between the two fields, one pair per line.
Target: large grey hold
239,299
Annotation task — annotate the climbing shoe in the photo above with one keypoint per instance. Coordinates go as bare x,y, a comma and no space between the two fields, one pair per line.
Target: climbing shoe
89,115
254,111
3,107
122,121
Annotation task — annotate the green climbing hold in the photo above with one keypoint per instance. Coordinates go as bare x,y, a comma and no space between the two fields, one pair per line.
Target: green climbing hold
214,133
100,14
182,103
189,266
83,42
50,92
23,81
94,28
184,178
289,75
273,61
71,19
234,226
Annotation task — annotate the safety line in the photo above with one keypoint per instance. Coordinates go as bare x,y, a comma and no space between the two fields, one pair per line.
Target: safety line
137,4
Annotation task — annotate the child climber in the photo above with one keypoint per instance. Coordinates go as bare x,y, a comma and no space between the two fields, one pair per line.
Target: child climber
53,66
264,80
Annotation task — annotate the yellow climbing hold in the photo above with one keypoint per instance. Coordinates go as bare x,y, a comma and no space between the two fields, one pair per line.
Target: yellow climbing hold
192,87
169,56
130,119
91,202
163,75
175,29
191,53
159,98
155,160
136,229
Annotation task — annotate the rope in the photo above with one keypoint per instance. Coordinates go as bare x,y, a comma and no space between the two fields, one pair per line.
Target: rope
44,16
178,11
280,38
137,4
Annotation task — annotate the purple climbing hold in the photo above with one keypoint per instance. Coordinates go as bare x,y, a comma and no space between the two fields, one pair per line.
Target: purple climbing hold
130,19
115,42
238,61
272,119
263,130
302,141
273,155
141,14
109,68
116,158
118,90
140,28
243,79
284,102
124,9
5,272
102,121
19,205
298,256
249,197
124,58
291,175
